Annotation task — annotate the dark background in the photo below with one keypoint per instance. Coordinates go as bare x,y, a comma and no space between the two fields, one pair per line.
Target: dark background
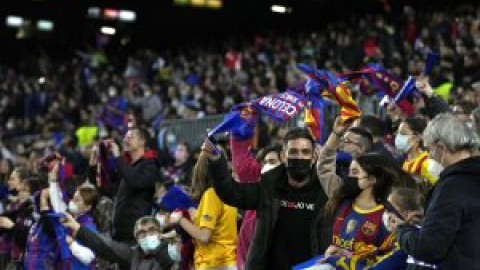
162,25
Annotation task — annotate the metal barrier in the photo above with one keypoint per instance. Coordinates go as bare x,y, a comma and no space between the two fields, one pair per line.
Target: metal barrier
194,131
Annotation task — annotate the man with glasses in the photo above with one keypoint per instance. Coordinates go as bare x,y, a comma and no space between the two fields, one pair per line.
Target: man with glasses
151,253
332,165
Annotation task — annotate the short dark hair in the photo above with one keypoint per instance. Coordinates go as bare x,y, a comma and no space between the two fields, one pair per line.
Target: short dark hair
366,139
373,124
143,133
146,220
298,133
416,124
271,148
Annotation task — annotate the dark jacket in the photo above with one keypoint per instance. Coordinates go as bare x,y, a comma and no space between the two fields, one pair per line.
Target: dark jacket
449,235
264,197
127,257
134,197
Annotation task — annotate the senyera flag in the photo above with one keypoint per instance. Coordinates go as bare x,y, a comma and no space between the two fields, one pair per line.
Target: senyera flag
373,79
335,89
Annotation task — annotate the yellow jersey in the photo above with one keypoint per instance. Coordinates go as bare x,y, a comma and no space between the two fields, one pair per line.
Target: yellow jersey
213,214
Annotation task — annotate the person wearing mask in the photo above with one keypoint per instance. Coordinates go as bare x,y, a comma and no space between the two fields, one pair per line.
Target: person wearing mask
357,208
17,223
136,174
404,205
149,252
289,201
81,207
449,233
214,226
354,141
408,141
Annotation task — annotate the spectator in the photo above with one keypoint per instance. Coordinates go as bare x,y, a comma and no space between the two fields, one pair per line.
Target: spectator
136,174
354,141
448,236
288,200
19,221
180,171
12,203
376,127
214,226
358,208
248,170
150,254
409,142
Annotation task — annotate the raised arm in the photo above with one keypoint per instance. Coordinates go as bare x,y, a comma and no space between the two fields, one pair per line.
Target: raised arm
243,196
326,163
101,246
244,164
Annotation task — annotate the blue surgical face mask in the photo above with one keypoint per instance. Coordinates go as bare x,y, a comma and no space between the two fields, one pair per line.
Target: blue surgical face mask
174,253
401,143
149,243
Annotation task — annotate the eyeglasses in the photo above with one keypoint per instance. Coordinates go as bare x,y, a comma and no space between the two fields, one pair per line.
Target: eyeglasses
146,231
346,140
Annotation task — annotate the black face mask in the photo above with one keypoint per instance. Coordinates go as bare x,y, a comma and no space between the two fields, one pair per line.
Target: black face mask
350,187
299,169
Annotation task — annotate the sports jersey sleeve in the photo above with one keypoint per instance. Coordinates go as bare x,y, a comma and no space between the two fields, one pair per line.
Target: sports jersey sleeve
211,211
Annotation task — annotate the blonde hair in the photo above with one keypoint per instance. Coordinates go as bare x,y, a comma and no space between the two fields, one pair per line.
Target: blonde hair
200,178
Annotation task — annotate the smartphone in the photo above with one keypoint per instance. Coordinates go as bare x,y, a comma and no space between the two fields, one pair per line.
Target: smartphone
213,143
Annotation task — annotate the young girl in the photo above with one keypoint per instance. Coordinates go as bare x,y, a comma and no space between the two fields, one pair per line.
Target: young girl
214,227
358,230
403,205
42,240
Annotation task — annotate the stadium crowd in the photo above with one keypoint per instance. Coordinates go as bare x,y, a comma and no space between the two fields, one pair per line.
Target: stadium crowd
91,191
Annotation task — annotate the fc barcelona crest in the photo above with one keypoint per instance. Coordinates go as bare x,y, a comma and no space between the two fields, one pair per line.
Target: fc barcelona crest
368,228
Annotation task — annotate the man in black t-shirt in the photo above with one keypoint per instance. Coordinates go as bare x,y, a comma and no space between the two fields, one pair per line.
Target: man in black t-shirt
289,201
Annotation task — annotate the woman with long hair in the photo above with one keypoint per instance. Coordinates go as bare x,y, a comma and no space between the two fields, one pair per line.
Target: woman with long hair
404,205
214,226
357,208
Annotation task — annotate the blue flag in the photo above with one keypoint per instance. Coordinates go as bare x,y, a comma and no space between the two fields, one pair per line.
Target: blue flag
241,119
408,89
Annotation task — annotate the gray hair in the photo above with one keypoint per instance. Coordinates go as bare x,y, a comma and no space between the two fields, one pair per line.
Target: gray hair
145,220
452,132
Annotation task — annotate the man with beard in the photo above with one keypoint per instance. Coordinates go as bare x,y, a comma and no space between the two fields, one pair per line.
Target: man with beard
289,201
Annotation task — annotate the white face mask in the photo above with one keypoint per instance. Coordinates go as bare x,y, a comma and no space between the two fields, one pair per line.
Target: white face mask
401,143
174,253
73,208
435,168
